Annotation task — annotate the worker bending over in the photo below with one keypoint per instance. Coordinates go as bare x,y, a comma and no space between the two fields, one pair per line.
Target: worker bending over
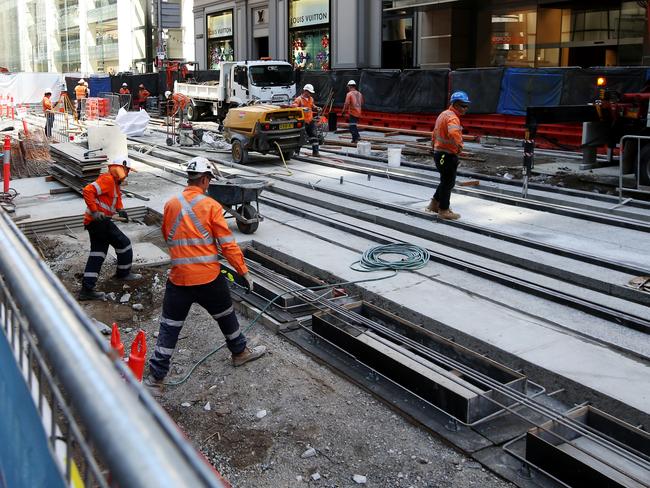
176,103
193,227
306,102
48,108
352,106
103,200
447,145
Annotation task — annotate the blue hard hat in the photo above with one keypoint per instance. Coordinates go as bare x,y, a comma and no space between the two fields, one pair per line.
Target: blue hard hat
460,96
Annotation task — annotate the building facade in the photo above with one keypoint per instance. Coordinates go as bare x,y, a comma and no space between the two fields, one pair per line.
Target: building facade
403,34
92,36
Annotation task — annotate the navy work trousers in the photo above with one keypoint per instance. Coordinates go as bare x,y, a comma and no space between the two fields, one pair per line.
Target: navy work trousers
214,297
447,165
352,125
104,233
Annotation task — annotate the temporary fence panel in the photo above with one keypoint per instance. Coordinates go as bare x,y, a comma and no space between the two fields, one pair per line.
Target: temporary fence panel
98,85
423,90
483,85
149,80
522,87
580,84
380,89
340,80
322,82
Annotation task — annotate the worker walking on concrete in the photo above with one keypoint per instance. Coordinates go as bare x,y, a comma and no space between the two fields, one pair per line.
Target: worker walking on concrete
193,226
80,92
48,108
143,94
179,103
306,102
447,145
352,106
103,200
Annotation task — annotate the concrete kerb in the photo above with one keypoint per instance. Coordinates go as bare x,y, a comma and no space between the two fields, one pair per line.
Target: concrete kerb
574,392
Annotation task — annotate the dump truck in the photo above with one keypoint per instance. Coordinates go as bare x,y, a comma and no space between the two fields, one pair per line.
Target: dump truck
240,83
264,128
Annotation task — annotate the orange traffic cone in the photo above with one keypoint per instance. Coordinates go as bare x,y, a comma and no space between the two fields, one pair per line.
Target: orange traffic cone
138,354
116,343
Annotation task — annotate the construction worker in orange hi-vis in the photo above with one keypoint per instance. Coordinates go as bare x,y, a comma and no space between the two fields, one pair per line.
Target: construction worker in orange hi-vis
306,102
194,228
352,106
47,109
143,94
125,89
104,200
179,103
80,92
447,141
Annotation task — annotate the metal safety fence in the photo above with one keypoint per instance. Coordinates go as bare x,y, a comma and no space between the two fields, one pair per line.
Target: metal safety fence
60,383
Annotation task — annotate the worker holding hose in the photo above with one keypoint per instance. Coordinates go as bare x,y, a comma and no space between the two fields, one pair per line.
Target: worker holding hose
447,143
194,228
306,102
104,200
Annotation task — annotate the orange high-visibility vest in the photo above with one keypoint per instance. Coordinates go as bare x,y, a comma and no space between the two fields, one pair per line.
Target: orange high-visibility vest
180,102
125,91
307,104
80,92
102,195
448,133
353,103
193,226
47,104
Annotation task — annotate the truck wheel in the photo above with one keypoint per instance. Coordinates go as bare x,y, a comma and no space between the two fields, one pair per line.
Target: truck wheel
644,176
249,212
239,152
193,112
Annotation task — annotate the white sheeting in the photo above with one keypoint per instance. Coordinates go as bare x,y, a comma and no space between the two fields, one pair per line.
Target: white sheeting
133,124
30,87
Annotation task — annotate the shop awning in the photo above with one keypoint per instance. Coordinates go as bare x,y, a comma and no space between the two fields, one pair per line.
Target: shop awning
402,4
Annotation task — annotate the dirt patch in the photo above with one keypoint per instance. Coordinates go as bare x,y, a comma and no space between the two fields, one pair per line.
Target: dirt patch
306,404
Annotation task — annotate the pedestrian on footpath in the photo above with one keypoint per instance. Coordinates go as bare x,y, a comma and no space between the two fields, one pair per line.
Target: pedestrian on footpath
306,102
447,145
103,200
193,227
352,106
48,110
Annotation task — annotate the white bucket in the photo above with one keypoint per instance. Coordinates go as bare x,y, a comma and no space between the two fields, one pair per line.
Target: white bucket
394,155
363,148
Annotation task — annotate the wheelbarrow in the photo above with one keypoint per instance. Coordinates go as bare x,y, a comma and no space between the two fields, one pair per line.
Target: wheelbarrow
237,195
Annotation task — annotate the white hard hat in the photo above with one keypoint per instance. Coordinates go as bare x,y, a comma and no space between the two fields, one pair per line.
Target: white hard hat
198,166
123,161
124,84
168,94
352,83
309,87
47,90
81,81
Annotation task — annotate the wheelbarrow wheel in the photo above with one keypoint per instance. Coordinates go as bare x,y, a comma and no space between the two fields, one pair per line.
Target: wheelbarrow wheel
248,212
170,141
239,152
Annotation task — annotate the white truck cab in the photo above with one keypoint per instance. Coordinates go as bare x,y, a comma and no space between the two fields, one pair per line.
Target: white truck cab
240,83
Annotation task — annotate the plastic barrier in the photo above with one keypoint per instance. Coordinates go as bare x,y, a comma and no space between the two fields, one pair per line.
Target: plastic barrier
380,88
483,86
423,90
580,84
522,87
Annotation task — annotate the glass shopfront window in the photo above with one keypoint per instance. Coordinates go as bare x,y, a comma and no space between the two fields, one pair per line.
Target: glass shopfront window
309,34
220,38
513,38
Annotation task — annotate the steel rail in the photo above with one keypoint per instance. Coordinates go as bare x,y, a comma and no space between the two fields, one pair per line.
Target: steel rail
351,317
141,447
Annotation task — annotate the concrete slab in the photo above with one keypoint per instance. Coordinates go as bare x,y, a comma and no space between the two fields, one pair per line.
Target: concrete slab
145,254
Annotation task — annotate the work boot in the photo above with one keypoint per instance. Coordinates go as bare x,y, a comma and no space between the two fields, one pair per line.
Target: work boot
153,385
90,294
433,206
247,355
129,277
448,215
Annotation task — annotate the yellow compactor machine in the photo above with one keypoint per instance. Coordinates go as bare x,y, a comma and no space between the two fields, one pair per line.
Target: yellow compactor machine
264,128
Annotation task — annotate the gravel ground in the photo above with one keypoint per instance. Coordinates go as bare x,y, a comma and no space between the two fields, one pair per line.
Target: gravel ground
257,424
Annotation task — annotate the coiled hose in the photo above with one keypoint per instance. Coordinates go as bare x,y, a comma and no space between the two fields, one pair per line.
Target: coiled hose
413,257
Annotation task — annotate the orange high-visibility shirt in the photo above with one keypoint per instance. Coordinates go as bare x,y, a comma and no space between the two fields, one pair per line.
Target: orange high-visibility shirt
193,227
307,104
47,104
80,92
102,195
180,102
124,91
143,93
448,133
353,103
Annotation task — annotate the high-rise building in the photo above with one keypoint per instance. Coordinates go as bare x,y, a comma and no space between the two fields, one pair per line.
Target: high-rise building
92,36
